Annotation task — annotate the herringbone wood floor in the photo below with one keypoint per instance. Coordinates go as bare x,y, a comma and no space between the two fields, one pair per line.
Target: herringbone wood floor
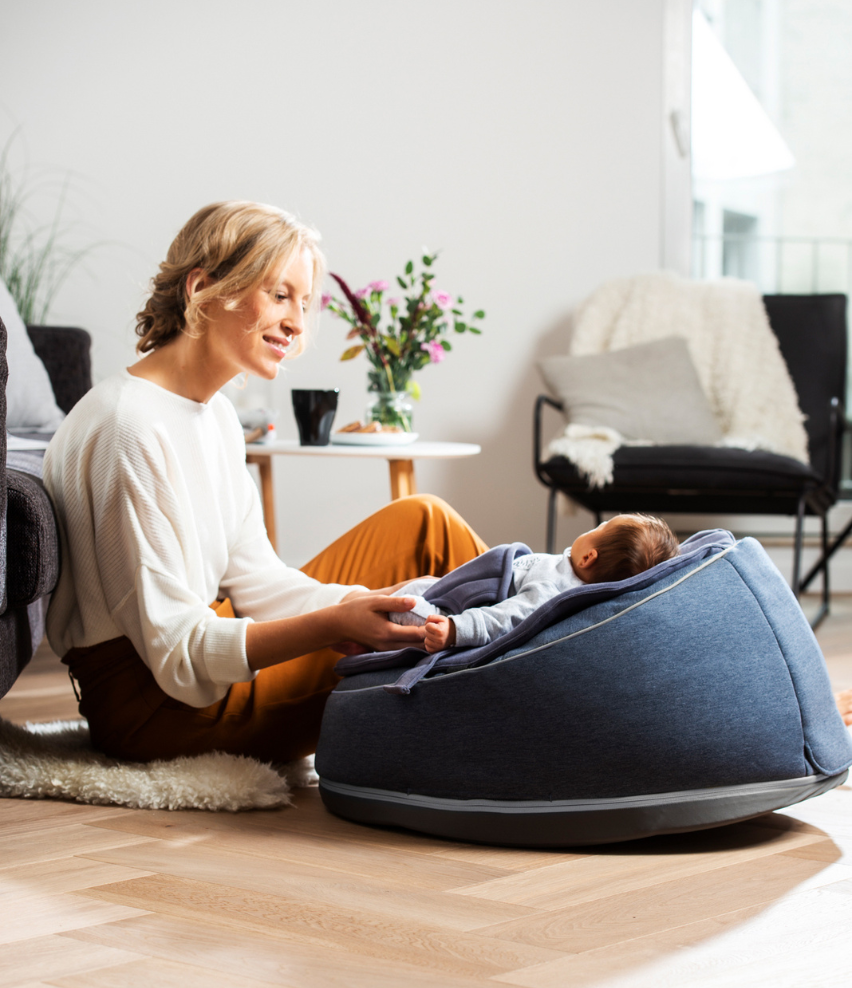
96,897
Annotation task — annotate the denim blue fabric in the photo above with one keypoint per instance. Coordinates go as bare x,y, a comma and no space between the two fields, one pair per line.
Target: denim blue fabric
805,663
709,676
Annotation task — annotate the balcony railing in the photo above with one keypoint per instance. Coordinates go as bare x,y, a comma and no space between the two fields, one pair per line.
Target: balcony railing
777,265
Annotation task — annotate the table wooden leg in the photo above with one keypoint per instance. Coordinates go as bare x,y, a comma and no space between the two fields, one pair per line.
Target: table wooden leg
402,478
267,493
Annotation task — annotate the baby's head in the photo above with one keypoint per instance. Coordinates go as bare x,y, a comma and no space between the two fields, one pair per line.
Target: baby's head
622,547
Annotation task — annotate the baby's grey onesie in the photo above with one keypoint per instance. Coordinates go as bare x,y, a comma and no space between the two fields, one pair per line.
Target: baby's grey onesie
536,578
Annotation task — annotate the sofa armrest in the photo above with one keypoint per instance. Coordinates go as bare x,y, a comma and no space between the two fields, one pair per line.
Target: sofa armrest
65,353
33,539
4,375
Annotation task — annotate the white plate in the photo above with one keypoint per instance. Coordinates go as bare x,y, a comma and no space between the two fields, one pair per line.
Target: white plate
373,438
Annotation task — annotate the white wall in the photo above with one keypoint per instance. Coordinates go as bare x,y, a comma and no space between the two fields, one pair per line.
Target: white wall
521,137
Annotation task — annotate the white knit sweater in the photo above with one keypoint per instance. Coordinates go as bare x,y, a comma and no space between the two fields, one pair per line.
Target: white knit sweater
158,517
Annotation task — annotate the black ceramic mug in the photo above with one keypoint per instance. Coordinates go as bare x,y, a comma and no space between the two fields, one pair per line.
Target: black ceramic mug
314,411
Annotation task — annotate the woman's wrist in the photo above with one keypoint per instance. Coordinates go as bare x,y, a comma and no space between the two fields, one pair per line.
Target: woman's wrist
271,642
360,618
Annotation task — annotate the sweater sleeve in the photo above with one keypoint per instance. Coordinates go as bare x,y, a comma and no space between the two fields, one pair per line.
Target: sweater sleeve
481,625
259,584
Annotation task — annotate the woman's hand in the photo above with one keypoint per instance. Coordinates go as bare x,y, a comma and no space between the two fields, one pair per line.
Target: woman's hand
384,592
364,617
358,623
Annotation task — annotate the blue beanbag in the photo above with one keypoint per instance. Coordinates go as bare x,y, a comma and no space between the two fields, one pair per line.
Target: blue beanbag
689,696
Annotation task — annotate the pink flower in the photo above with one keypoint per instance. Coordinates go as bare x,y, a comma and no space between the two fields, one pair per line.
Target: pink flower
326,298
394,301
442,299
362,293
379,286
435,350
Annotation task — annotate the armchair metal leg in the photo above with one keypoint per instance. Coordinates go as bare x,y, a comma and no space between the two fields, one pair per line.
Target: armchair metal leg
797,548
835,545
826,592
551,521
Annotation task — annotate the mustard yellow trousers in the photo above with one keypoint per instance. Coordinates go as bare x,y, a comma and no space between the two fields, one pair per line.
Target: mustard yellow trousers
276,717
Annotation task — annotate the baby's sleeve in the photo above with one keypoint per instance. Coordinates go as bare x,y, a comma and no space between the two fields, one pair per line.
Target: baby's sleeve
481,625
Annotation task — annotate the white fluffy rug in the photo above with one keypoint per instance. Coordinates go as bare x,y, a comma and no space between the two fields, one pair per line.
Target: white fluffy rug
57,761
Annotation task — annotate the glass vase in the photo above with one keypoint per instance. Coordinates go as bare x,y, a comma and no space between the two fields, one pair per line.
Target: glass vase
392,409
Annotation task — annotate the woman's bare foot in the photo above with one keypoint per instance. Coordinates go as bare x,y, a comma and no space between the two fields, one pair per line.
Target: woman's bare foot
843,699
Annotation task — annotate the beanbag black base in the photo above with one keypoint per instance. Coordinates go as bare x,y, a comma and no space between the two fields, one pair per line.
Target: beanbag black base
537,823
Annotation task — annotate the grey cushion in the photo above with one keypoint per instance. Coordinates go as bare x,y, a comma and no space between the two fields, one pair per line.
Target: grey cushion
31,403
650,391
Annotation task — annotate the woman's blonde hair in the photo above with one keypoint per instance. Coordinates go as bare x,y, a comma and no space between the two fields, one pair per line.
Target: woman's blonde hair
238,245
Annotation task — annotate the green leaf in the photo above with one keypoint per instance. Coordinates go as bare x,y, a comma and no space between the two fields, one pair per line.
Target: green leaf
353,351
456,312
409,267
460,300
391,345
479,314
460,327
473,329
427,260
413,388
446,345
401,283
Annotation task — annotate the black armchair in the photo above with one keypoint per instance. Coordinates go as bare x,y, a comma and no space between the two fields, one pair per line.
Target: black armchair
811,331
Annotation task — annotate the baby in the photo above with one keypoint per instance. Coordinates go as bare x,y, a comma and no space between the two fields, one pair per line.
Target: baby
621,547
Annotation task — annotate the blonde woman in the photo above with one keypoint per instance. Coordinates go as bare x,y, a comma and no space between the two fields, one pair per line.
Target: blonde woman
182,630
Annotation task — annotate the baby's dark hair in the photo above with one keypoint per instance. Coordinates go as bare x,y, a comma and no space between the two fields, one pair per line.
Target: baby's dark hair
637,544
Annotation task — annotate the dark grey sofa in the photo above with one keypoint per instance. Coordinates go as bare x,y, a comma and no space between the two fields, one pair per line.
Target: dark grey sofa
29,541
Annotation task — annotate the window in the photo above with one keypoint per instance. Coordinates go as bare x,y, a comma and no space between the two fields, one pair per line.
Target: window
771,110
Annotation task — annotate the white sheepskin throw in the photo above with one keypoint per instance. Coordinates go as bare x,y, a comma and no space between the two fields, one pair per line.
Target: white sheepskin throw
730,341
57,761
590,449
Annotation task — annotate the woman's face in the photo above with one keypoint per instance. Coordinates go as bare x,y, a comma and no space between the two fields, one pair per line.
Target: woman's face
256,336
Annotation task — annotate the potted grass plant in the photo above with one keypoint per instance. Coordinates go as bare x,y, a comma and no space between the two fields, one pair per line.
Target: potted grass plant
35,259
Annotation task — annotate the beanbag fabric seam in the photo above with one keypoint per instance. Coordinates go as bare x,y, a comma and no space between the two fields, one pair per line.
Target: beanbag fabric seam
800,690
774,634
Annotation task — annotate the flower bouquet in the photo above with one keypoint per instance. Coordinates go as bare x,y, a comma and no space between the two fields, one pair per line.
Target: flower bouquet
399,335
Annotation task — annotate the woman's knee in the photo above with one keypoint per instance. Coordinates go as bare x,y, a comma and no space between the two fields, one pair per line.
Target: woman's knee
422,512
423,505
444,539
